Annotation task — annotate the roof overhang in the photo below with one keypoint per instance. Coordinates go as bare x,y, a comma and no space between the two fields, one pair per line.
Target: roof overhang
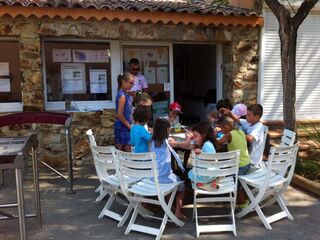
132,16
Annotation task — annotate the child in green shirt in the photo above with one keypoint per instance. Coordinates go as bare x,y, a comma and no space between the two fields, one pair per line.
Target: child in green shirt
235,140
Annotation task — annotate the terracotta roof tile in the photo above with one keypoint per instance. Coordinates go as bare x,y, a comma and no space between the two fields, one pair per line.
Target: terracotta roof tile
178,6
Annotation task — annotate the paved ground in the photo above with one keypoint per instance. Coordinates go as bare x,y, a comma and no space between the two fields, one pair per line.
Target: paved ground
74,216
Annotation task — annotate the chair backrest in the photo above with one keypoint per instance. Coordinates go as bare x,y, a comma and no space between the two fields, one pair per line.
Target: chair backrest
282,160
135,166
102,157
216,164
288,138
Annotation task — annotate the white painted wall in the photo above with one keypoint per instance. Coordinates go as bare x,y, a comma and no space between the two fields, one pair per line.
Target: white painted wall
307,69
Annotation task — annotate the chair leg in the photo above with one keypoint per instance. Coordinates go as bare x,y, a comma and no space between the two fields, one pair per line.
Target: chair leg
108,205
253,202
125,215
133,217
194,205
163,225
103,194
98,188
167,208
233,205
282,203
262,217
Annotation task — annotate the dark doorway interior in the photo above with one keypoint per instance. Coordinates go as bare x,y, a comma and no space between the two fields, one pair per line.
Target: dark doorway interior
195,78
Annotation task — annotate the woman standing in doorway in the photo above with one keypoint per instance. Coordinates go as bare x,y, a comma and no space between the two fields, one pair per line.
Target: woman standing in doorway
123,112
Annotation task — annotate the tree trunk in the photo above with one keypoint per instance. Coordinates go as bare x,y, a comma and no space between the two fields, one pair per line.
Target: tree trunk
288,30
288,37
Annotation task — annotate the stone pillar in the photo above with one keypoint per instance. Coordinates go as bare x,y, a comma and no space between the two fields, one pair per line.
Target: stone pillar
30,59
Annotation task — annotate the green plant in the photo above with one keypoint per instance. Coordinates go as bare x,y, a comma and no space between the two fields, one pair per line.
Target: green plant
310,167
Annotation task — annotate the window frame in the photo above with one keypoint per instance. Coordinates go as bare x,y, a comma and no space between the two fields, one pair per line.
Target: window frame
11,106
84,106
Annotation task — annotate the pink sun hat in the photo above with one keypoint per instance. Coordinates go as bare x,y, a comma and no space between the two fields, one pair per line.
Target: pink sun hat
239,110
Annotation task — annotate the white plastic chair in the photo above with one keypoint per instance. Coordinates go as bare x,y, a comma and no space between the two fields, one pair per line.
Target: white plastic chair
105,168
102,192
148,190
264,187
288,138
224,166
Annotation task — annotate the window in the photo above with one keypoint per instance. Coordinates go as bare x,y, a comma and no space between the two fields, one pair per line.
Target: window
10,76
154,65
77,72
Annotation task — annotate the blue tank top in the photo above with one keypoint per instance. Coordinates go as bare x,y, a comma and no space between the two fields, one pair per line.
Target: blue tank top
127,111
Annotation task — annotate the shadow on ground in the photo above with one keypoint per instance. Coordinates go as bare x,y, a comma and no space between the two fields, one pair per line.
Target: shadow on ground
74,216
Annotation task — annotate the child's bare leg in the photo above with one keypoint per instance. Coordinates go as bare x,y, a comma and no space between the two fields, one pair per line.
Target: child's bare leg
179,202
241,196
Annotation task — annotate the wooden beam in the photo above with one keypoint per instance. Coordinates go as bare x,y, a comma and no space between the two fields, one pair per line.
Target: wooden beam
132,16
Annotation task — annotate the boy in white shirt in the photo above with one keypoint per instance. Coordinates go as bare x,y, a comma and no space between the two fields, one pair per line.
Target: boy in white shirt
254,130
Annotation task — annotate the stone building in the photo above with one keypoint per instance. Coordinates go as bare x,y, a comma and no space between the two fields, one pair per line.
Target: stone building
57,51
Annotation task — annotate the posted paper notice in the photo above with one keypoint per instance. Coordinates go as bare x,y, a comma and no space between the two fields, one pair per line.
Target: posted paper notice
98,81
73,78
61,55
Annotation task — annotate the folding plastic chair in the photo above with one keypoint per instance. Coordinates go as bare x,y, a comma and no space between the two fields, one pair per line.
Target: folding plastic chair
225,167
265,187
148,190
102,192
110,185
288,138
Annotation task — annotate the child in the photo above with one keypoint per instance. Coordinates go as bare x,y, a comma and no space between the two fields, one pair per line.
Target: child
253,129
123,112
205,142
142,98
139,136
163,155
235,140
173,117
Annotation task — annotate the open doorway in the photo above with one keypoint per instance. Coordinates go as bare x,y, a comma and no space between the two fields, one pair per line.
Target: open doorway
195,81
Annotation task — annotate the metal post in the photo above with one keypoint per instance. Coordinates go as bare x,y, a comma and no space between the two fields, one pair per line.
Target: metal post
69,160
36,188
20,198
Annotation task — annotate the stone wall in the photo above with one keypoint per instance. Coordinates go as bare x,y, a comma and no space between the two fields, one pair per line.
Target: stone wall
240,55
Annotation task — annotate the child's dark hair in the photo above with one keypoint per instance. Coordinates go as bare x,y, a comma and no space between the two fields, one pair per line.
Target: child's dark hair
123,77
141,97
160,131
224,103
134,61
142,114
205,129
256,109
225,120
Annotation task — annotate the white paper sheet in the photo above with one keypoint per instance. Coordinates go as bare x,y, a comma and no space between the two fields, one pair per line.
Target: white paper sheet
4,69
98,80
162,55
73,78
129,53
4,85
81,55
150,74
166,87
61,55
149,55
98,56
162,75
